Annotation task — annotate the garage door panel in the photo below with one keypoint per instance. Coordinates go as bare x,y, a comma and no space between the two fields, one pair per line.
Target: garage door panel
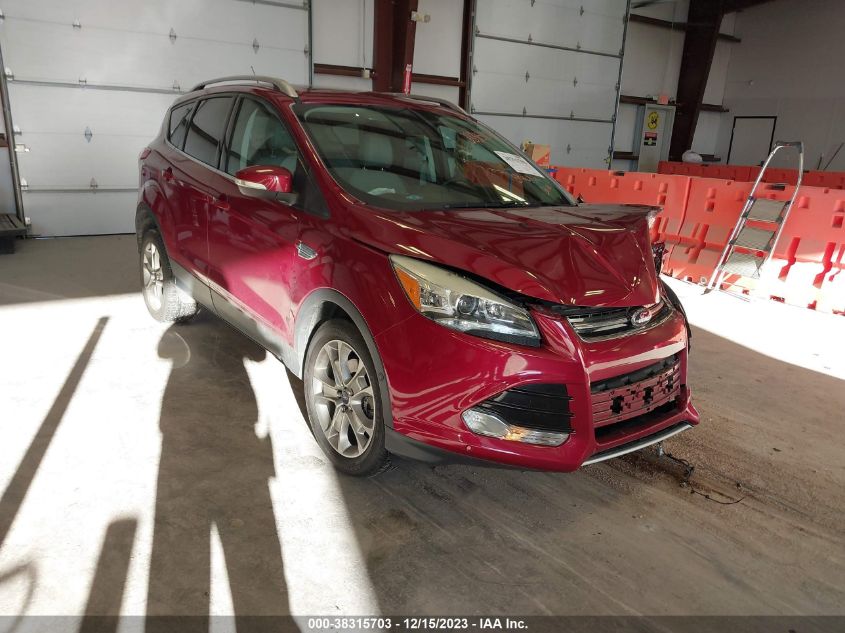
195,63
554,78
587,142
596,68
515,59
595,26
81,213
57,160
594,101
188,61
214,20
104,111
559,82
126,48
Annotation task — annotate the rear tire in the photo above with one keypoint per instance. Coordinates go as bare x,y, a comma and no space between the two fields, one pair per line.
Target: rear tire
165,301
343,400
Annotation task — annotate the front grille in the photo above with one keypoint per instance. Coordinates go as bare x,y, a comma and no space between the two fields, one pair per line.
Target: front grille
592,324
636,394
537,406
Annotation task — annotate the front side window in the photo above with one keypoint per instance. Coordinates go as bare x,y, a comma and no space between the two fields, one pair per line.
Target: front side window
260,138
207,128
178,124
407,159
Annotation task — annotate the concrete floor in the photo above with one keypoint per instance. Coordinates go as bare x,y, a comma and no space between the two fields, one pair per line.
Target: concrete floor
159,470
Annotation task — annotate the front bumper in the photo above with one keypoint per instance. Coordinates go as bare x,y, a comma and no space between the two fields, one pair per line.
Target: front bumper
435,374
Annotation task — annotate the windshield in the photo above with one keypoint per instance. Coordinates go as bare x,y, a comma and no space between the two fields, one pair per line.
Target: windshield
406,160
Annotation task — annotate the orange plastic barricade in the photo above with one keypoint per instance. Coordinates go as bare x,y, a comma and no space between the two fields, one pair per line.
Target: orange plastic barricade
808,265
832,294
709,170
679,169
729,172
617,187
713,208
805,269
827,179
812,245
748,173
775,175
666,167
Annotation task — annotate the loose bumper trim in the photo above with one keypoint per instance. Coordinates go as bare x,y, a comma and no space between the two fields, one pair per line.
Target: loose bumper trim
638,444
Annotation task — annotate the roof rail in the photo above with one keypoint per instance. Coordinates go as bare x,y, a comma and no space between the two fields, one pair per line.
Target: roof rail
442,102
279,84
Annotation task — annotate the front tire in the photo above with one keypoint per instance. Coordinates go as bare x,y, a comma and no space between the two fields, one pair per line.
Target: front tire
165,301
343,399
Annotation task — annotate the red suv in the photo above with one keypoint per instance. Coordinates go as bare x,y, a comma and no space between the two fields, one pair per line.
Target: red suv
438,293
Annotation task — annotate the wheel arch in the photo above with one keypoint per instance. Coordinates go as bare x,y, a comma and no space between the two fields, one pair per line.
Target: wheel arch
325,304
144,219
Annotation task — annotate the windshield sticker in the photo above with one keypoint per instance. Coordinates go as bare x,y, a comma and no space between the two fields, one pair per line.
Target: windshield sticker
518,164
380,191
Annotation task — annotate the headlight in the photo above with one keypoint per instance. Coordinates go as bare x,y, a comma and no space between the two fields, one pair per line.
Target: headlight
461,304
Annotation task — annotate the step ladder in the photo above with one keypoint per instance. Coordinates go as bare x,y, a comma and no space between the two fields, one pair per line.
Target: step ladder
742,252
10,228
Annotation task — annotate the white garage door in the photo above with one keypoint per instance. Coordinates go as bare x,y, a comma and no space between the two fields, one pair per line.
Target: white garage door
548,71
89,81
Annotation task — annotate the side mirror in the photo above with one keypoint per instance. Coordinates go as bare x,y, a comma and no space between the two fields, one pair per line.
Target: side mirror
266,181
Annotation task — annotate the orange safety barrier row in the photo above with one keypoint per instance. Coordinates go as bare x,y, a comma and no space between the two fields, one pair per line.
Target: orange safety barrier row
807,267
708,170
828,179
601,186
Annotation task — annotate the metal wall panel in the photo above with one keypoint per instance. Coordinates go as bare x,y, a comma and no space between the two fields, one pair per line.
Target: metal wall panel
343,32
437,44
113,68
553,66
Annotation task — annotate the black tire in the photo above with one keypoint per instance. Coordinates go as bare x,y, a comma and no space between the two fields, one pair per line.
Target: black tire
374,458
165,301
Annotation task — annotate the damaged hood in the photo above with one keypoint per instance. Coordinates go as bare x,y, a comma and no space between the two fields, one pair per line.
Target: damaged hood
588,255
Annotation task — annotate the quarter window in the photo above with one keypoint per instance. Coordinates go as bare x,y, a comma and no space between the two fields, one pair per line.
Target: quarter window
178,124
260,138
207,128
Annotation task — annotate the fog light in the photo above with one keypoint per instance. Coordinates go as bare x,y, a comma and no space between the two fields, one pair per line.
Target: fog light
489,424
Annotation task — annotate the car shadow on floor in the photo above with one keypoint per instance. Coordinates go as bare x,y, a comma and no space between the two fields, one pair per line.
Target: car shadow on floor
213,478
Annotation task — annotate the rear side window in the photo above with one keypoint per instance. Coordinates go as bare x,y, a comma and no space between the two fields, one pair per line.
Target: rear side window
207,128
179,124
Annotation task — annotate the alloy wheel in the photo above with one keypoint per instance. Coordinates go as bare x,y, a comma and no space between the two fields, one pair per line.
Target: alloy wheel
343,398
153,276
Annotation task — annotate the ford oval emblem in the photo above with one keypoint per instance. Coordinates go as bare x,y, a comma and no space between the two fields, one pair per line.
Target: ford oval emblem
641,316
